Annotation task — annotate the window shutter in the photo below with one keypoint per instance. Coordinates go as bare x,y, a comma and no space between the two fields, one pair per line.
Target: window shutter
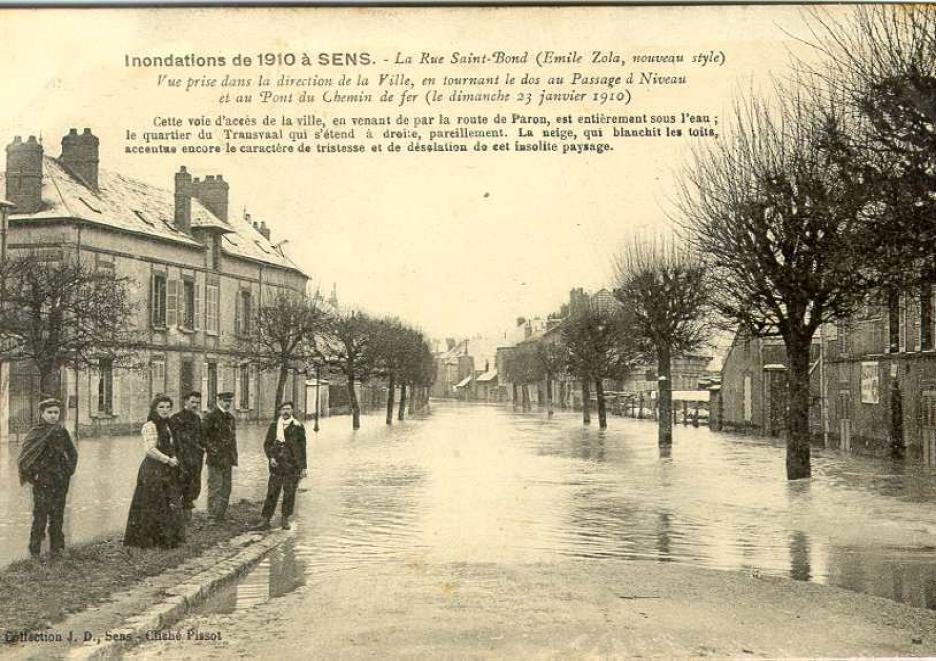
252,393
172,303
204,384
238,311
237,386
119,397
152,299
198,306
94,399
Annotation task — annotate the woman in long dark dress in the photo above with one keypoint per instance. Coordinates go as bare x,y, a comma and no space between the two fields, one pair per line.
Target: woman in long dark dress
155,517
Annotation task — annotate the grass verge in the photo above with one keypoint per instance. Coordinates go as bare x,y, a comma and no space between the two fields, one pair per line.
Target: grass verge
37,596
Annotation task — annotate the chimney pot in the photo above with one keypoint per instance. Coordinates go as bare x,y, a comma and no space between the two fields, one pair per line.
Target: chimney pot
213,193
183,200
80,156
24,174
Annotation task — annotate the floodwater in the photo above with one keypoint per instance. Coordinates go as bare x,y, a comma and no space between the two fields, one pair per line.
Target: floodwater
474,483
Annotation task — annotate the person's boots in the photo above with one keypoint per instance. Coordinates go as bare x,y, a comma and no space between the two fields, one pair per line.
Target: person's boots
286,525
263,525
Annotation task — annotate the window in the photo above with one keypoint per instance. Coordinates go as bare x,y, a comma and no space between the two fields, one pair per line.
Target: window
244,377
157,376
243,313
926,317
214,252
105,386
893,323
902,323
211,386
186,377
212,295
158,304
188,304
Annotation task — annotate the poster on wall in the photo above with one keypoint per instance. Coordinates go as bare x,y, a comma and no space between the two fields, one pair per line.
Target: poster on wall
870,383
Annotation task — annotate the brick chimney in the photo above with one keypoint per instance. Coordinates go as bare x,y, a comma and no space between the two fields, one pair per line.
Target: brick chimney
80,156
183,200
24,174
213,193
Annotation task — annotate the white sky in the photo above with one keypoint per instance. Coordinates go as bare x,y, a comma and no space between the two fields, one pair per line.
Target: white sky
455,244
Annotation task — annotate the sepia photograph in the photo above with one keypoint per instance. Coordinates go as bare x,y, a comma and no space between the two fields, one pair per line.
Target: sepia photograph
468,332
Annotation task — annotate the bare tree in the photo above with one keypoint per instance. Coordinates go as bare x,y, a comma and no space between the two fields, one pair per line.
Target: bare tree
285,336
597,348
777,217
348,347
662,286
879,63
61,313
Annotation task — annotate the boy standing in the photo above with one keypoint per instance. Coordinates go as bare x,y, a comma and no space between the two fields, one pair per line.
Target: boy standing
285,447
47,461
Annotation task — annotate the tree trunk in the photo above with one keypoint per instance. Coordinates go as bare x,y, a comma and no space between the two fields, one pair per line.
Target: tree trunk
586,402
525,394
46,382
602,411
665,398
280,387
549,399
797,457
391,386
402,412
515,398
355,407
413,399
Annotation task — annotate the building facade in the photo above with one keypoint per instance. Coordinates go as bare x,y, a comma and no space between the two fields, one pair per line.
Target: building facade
199,273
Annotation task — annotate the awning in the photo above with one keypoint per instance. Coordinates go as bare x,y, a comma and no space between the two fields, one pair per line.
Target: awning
464,382
690,395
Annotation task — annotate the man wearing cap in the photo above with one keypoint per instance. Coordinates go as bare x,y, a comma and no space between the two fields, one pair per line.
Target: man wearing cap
47,461
186,428
219,434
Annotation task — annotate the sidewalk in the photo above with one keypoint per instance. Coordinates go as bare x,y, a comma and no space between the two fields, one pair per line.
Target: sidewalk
98,585
570,610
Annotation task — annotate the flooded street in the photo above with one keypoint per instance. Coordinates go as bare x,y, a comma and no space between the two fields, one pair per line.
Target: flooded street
480,484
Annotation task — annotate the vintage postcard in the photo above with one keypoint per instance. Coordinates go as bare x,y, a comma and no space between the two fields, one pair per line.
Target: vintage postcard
468,332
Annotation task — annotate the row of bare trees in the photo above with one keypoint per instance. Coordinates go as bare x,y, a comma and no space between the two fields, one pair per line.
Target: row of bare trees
663,313
57,312
819,200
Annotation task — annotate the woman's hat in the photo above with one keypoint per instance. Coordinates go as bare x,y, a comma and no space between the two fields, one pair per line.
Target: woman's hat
49,402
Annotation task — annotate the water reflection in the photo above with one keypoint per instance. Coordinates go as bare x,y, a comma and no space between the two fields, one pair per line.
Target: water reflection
481,484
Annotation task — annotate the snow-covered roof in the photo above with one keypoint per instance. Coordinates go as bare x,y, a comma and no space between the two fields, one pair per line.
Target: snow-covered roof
490,375
131,205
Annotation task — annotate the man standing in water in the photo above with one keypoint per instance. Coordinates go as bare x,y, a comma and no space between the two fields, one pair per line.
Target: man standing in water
285,448
47,461
219,434
187,430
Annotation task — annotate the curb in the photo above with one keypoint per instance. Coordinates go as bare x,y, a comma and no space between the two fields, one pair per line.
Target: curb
182,598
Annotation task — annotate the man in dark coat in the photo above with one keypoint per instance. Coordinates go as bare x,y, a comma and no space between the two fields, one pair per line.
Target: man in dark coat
47,461
285,448
219,434
187,431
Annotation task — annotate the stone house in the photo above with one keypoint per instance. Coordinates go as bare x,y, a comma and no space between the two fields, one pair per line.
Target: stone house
199,271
